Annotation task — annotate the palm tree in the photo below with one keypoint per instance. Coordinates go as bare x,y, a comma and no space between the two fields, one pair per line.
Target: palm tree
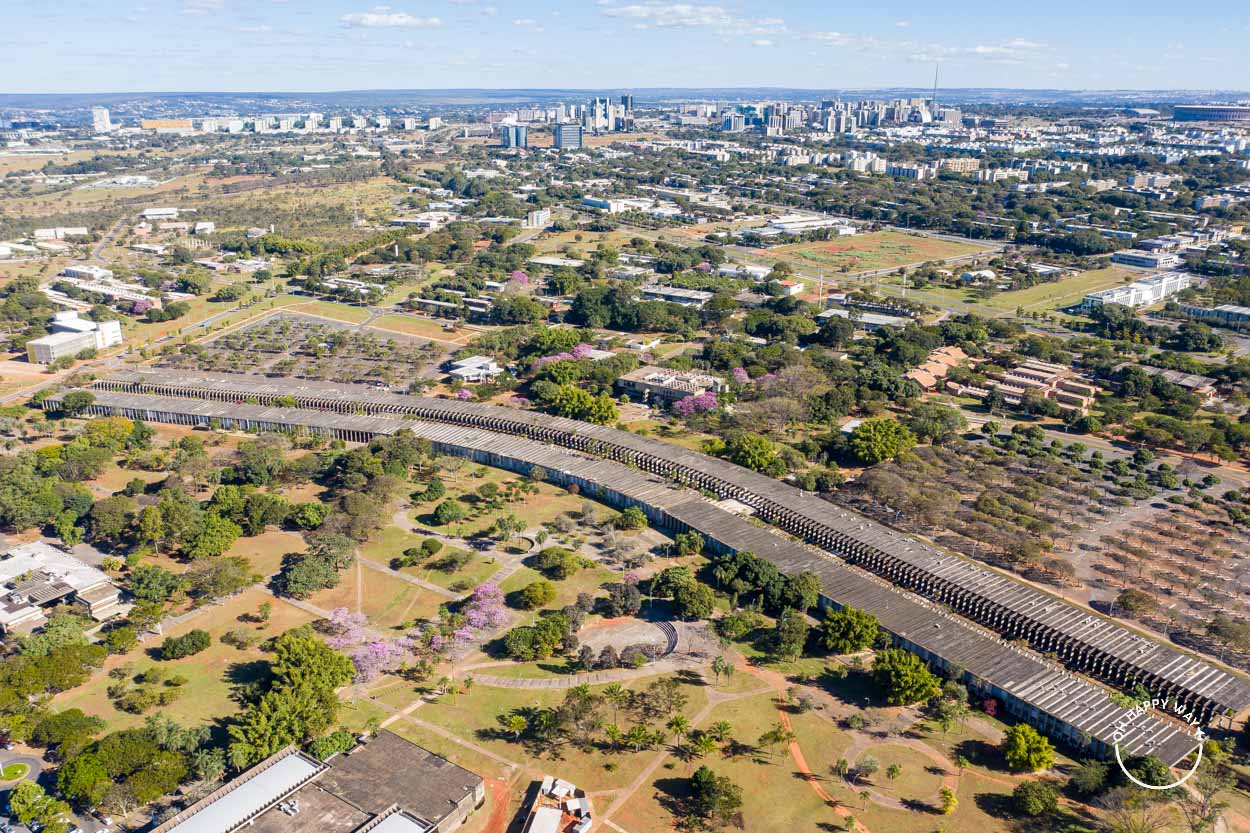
679,725
444,685
722,667
864,795
516,725
841,768
704,744
961,763
614,735
638,737
893,771
720,731
616,695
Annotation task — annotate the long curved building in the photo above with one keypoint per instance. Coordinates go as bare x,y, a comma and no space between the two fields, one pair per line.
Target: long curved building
873,562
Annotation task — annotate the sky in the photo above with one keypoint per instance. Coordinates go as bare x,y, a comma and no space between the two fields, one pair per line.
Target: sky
86,46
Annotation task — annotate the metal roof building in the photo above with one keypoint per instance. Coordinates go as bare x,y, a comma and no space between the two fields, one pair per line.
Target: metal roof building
1039,691
1082,639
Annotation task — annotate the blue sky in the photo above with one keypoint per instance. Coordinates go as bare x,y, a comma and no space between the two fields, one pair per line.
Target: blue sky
310,45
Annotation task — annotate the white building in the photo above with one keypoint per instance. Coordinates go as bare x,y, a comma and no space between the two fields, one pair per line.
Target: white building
159,214
204,228
36,575
1147,260
100,120
87,272
1140,293
475,369
676,295
72,335
61,232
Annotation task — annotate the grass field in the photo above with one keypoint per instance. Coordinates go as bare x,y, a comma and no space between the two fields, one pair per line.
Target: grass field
1064,293
388,601
878,250
422,327
211,674
11,772
473,716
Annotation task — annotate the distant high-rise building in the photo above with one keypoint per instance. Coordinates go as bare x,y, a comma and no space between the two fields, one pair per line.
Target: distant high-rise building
514,136
627,101
567,136
100,120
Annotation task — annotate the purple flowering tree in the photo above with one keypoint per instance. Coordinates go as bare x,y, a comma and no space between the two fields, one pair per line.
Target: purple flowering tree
740,376
696,404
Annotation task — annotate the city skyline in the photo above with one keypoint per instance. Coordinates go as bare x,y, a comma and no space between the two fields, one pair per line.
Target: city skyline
322,45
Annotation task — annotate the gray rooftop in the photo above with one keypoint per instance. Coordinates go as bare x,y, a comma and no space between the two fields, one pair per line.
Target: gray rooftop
1021,673
852,535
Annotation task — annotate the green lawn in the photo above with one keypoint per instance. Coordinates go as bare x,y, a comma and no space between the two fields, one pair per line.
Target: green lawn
1064,293
12,772
211,674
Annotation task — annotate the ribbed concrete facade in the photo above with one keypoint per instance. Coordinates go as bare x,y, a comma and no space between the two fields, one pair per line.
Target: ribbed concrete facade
1038,691
1080,639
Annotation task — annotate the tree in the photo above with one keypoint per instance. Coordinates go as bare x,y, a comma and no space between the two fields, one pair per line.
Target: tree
216,535
693,600
83,780
155,584
879,439
714,799
558,563
679,725
1025,750
722,667
630,518
934,423
790,635
948,801
536,594
893,771
848,631
189,644
904,677
754,452
516,725
866,767
1035,798
449,512
30,804
1089,778
77,401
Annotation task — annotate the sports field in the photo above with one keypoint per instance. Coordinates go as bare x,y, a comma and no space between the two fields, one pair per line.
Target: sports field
878,250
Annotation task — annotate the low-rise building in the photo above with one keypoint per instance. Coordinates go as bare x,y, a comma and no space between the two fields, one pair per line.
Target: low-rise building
38,575
87,272
664,386
72,335
936,367
867,321
1225,315
474,369
557,808
385,784
676,295
61,232
1140,293
1047,380
1147,260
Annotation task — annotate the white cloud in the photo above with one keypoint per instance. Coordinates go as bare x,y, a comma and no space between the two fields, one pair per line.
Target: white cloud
254,30
694,15
762,42
523,21
383,17
197,8
903,24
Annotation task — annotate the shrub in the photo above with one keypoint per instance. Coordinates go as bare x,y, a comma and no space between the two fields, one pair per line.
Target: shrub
537,594
189,644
